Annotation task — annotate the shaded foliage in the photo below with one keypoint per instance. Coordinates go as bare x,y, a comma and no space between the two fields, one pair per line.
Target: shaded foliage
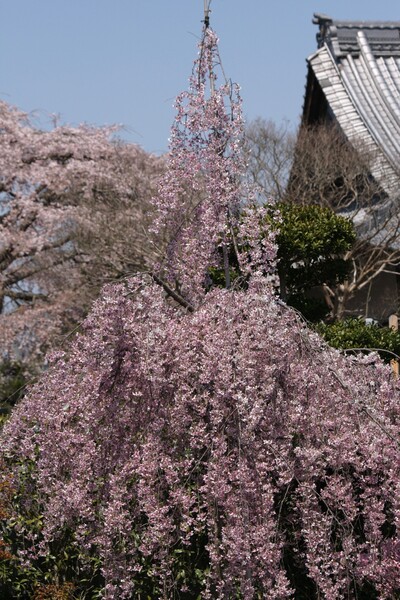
312,243
356,334
13,379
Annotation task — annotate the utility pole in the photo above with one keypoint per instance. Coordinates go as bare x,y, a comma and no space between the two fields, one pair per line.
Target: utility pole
207,13
394,325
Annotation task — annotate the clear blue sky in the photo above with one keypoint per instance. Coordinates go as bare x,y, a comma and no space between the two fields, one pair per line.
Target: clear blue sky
124,61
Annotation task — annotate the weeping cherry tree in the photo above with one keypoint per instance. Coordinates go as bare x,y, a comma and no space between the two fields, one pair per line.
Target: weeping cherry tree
200,442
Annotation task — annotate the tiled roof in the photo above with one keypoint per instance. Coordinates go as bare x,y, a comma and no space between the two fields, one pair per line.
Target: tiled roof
383,36
357,66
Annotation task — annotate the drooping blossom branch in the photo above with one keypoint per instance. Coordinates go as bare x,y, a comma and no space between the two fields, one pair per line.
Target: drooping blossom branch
200,195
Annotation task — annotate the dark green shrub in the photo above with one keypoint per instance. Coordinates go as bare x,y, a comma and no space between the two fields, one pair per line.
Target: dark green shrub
13,379
356,334
312,242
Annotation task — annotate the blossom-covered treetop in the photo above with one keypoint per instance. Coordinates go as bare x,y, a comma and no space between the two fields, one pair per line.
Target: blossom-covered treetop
204,187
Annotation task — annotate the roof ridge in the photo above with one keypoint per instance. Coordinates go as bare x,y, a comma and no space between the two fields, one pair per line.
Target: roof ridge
341,36
368,24
322,19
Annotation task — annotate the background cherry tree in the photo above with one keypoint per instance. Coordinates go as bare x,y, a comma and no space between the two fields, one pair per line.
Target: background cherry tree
202,442
74,210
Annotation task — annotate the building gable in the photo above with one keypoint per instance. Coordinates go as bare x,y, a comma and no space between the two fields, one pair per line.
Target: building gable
354,79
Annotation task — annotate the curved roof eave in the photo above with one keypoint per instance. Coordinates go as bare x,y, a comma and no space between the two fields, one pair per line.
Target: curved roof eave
364,106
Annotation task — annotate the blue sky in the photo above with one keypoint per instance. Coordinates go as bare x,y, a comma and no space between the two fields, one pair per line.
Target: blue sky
124,61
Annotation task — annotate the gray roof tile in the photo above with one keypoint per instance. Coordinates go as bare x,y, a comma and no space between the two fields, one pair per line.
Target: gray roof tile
358,68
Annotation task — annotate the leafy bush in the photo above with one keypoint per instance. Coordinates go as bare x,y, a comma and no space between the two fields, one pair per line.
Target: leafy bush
355,334
13,379
312,241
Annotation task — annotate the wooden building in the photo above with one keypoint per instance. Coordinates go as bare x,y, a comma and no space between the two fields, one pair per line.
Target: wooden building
353,81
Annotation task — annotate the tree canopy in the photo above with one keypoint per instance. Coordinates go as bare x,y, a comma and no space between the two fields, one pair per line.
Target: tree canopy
312,244
74,209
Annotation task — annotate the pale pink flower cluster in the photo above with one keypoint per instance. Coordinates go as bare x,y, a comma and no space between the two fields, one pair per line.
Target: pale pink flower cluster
52,184
233,425
200,196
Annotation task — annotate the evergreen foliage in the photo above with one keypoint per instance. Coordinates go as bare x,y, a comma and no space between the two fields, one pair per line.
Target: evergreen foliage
12,384
355,334
312,244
